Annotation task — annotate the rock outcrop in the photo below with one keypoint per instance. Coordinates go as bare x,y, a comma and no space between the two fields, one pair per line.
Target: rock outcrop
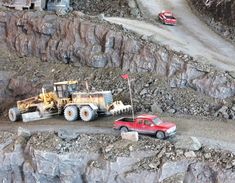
73,40
219,14
44,157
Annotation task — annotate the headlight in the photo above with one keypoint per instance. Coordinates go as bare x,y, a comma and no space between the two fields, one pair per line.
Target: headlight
172,129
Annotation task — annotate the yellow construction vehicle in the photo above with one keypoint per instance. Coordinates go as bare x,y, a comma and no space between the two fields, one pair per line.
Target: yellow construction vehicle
65,99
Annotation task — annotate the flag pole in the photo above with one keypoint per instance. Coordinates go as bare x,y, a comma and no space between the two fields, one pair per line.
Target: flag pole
129,84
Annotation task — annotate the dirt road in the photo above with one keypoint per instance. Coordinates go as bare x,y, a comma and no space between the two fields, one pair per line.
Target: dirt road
190,35
213,133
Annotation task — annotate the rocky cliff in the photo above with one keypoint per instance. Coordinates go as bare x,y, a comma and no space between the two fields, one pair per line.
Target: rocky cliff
221,10
219,14
55,157
80,42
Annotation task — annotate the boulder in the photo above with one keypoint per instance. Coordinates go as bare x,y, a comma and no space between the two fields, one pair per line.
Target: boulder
133,136
190,154
155,108
169,169
68,134
23,132
189,143
199,172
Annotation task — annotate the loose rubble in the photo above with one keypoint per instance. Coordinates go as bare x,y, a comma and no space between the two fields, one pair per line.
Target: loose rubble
109,8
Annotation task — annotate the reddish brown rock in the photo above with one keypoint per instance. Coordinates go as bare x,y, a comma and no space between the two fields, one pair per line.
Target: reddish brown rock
73,40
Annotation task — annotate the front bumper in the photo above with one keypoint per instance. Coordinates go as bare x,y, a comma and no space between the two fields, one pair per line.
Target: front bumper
169,134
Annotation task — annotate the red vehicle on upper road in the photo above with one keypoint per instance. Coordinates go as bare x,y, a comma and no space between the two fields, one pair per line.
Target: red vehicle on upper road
167,17
146,124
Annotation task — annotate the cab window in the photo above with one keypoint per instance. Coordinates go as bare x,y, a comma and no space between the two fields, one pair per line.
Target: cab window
140,121
147,122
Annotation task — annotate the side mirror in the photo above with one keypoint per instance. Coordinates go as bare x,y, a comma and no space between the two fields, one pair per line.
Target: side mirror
152,125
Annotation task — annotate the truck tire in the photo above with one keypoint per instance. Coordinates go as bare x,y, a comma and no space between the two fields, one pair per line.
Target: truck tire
87,113
124,129
14,114
71,113
160,135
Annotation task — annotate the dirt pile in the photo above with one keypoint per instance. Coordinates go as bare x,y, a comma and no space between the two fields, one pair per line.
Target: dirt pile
46,157
220,15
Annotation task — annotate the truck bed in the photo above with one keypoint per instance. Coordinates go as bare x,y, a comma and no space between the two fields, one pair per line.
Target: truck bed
126,119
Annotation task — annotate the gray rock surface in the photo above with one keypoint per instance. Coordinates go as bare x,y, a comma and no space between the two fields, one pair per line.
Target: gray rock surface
23,132
68,135
106,158
190,143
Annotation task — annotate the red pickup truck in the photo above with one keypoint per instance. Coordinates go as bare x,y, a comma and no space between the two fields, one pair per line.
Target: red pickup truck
146,124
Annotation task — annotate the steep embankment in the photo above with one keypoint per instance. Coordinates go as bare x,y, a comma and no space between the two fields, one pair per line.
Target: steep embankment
219,14
74,157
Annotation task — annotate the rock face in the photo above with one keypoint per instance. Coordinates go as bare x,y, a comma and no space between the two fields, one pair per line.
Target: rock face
83,43
219,14
104,158
12,88
223,11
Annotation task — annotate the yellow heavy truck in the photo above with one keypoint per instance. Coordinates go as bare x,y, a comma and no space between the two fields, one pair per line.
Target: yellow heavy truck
67,100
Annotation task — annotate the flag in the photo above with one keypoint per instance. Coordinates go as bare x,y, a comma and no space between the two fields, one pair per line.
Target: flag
125,76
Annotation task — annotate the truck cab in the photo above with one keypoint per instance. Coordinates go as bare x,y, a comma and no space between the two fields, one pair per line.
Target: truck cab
146,124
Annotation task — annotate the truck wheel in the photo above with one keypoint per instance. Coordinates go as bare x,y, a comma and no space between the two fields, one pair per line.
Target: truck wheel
160,135
87,113
14,114
71,113
123,129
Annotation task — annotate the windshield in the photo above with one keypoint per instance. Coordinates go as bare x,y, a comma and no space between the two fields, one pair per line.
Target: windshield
72,88
157,121
170,17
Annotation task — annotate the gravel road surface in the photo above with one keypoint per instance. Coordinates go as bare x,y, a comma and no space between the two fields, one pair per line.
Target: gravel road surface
190,35
216,134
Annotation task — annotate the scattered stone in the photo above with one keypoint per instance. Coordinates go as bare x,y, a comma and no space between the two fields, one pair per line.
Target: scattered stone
23,132
233,108
144,91
68,134
233,162
154,165
172,111
155,108
108,148
179,152
190,154
101,17
131,148
207,155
